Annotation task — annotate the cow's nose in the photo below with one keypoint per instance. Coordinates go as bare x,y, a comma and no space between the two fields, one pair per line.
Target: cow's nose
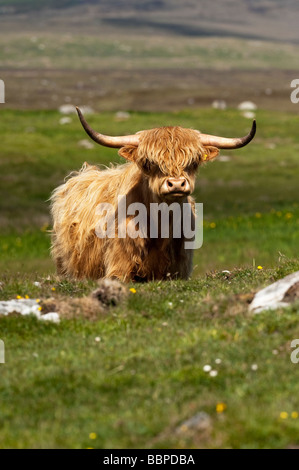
179,185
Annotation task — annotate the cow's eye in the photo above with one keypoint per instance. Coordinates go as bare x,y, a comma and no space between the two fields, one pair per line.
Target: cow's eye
192,167
147,166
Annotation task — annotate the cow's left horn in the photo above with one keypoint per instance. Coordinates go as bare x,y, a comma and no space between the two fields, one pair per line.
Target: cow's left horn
107,140
225,143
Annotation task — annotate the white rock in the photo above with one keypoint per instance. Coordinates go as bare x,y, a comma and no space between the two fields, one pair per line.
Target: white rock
213,373
67,109
272,296
50,316
65,120
26,307
247,106
199,422
85,143
219,104
70,109
86,109
21,306
248,115
121,116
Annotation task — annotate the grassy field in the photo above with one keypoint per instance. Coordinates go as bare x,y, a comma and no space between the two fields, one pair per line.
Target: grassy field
116,71
60,387
89,52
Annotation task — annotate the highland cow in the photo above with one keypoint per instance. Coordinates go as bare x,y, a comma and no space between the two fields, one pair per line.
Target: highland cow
161,168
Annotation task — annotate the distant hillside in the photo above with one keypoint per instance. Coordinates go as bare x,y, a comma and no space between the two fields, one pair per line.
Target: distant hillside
259,19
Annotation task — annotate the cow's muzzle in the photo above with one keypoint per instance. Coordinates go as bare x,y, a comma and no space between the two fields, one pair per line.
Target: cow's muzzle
176,187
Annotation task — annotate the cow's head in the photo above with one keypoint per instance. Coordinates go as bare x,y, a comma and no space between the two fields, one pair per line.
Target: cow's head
169,156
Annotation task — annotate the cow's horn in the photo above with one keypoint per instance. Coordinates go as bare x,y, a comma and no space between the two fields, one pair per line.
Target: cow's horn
225,143
107,140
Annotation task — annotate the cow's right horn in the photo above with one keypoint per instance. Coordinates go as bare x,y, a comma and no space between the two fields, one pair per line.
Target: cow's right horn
227,143
107,140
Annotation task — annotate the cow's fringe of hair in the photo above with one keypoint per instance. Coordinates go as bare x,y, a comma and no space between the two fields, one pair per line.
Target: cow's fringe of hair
178,148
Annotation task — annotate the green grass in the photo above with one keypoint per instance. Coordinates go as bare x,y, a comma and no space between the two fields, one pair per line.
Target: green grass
145,377
85,51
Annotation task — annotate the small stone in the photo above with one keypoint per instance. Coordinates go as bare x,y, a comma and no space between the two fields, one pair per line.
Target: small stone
219,104
85,143
213,373
65,120
121,116
247,106
248,114
51,316
199,422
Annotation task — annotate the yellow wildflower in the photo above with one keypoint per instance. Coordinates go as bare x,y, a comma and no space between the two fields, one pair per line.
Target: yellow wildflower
220,407
283,415
92,435
294,414
133,290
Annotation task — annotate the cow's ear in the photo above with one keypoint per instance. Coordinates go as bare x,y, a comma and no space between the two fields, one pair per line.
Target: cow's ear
210,153
129,152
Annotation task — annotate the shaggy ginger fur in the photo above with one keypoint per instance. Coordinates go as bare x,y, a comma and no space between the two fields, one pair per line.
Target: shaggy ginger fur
79,253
